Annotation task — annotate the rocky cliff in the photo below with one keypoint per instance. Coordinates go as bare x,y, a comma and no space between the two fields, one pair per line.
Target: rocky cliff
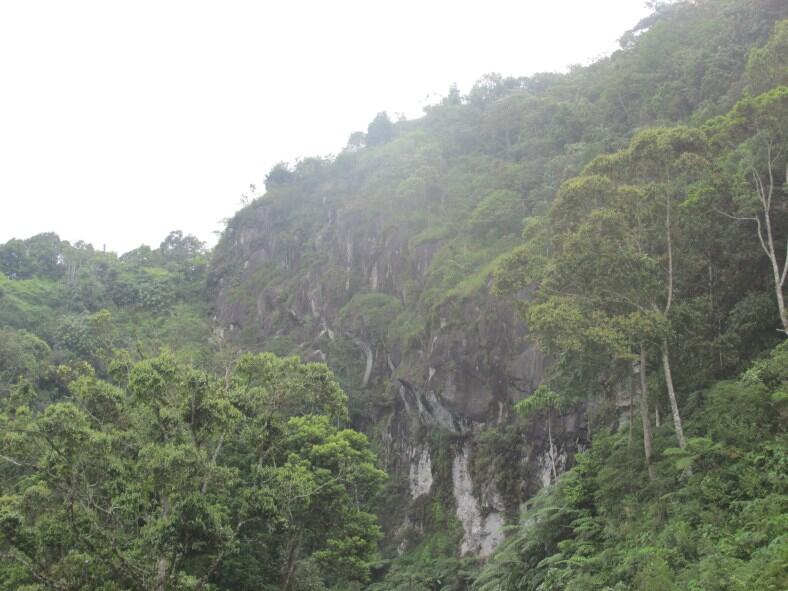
339,287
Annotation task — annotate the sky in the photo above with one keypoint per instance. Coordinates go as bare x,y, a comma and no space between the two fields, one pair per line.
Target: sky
123,121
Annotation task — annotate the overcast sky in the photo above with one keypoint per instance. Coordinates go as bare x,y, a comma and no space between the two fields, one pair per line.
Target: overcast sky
121,121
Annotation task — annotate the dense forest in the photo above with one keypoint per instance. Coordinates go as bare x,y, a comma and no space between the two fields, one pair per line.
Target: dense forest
532,340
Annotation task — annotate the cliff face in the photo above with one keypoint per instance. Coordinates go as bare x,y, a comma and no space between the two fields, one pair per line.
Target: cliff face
341,288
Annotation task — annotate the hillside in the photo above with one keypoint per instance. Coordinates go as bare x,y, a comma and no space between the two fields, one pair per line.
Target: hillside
531,340
381,263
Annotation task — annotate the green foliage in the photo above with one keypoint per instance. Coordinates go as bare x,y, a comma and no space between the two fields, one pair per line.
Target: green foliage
615,266
86,336
247,480
29,304
370,314
279,175
767,66
614,269
35,257
172,479
541,400
431,234
431,566
84,304
713,519
23,356
501,211
380,130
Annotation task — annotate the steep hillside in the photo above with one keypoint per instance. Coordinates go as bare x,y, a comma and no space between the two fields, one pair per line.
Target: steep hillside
380,262
553,321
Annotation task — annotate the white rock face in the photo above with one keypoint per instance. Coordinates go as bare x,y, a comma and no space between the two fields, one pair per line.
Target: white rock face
420,472
545,472
482,534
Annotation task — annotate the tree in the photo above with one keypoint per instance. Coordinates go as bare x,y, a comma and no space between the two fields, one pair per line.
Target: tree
178,247
280,174
580,269
38,256
500,211
453,98
767,66
356,141
759,127
603,265
169,477
14,262
664,162
380,130
45,252
23,357
543,401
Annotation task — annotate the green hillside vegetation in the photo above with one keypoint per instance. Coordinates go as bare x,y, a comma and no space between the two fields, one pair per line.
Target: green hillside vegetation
85,303
714,516
123,467
163,425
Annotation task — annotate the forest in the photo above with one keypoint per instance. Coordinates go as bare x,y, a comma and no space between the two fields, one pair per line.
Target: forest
533,340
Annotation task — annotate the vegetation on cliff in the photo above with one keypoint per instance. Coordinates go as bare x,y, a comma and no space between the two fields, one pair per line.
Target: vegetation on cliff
712,516
629,218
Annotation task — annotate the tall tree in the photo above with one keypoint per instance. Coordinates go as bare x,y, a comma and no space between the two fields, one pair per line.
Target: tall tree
758,128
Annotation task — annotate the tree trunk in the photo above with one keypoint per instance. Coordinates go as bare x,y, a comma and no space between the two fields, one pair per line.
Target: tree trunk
644,415
764,188
293,546
589,428
781,308
765,194
674,407
669,241
631,409
161,565
552,447
771,253
161,574
779,278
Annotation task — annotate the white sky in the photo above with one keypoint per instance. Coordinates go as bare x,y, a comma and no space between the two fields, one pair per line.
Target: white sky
121,121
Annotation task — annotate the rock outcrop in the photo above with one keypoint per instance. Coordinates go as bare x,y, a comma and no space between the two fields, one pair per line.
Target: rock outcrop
351,289
481,532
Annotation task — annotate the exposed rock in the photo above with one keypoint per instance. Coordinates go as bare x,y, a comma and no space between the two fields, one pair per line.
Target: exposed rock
420,472
459,372
482,533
